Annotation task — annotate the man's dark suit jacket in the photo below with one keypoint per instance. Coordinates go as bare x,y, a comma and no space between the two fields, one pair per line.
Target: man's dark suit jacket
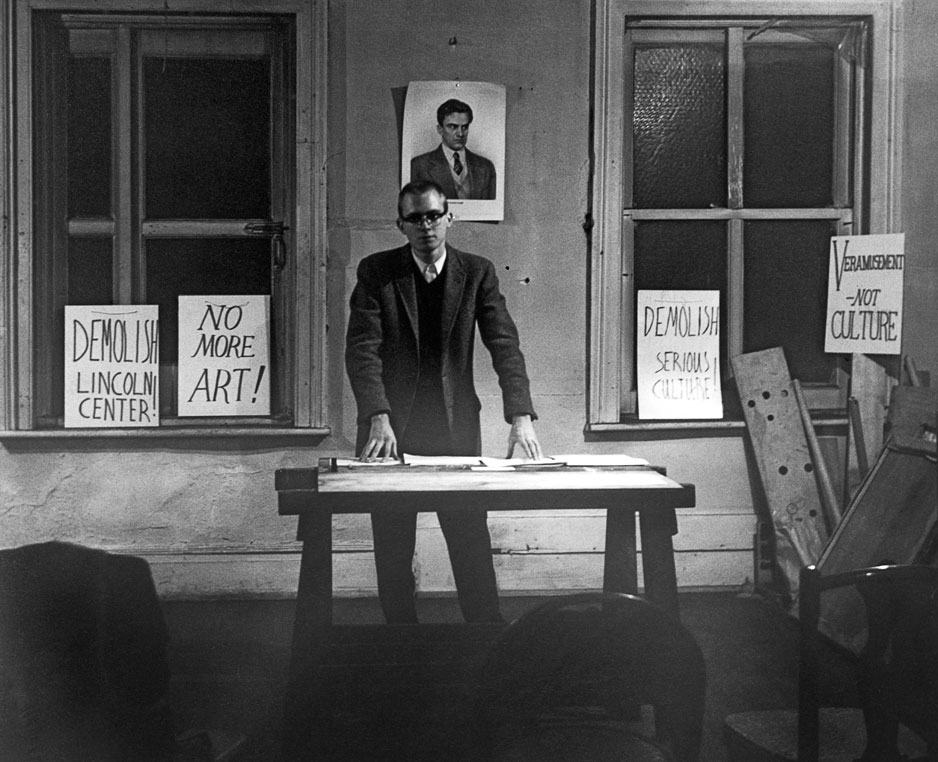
434,166
382,345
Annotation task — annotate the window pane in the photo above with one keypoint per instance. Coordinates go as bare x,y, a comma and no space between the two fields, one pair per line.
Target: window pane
786,293
202,266
89,137
680,255
679,127
789,126
207,138
683,256
90,271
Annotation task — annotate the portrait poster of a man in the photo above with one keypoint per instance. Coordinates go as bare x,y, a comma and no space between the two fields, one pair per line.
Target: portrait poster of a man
454,136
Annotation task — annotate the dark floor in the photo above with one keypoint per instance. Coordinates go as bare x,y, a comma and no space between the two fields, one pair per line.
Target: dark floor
229,662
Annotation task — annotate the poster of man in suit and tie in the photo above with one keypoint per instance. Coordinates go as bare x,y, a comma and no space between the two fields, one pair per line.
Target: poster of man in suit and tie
454,135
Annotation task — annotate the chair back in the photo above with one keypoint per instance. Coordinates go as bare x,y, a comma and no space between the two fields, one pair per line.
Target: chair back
898,665
83,657
595,657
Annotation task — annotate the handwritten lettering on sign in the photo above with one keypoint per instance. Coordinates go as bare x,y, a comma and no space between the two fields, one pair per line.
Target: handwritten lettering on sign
224,355
679,354
111,366
864,294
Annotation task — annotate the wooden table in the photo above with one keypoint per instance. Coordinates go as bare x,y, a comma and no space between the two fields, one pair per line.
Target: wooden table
315,494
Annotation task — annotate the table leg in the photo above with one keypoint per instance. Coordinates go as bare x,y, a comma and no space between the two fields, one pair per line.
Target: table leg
311,626
657,527
620,571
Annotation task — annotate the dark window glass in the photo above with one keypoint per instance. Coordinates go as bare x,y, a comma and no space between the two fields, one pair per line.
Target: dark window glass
683,256
679,127
89,137
201,266
90,267
785,290
207,138
789,126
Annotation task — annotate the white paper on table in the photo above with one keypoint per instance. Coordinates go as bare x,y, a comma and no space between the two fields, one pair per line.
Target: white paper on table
503,463
608,459
441,460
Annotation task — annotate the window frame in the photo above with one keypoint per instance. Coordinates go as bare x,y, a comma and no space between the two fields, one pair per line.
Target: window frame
611,393
21,272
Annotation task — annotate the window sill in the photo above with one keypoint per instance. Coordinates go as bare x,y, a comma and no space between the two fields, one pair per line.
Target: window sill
634,424
825,422
169,432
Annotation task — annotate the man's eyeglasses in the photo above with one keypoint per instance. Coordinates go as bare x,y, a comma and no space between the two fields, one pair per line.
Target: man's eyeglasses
431,218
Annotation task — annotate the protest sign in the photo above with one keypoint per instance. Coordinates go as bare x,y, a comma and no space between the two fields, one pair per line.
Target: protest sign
679,354
111,366
864,294
224,355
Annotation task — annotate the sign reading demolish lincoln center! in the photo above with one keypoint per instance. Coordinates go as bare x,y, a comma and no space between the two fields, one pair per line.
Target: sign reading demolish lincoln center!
111,366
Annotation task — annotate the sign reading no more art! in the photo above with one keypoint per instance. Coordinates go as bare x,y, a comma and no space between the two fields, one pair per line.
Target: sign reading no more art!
864,294
224,355
679,354
112,366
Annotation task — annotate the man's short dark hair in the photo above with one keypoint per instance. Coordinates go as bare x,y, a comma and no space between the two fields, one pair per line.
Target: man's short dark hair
418,188
452,106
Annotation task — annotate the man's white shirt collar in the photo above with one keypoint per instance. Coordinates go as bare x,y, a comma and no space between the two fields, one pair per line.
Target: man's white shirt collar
422,266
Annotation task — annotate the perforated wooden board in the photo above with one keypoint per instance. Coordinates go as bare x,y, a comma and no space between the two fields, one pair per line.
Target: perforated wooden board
781,452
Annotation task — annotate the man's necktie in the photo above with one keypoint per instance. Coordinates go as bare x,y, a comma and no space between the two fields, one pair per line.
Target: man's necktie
457,164
430,273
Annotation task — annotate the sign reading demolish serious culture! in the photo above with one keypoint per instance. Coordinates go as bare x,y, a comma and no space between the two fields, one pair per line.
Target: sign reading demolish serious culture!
679,354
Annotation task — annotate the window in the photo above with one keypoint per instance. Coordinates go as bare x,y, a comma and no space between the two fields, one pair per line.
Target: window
730,149
161,156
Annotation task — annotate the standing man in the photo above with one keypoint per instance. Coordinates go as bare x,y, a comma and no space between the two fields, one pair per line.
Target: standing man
457,170
409,355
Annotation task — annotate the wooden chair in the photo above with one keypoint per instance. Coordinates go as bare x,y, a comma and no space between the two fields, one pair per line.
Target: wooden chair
897,678
84,668
568,679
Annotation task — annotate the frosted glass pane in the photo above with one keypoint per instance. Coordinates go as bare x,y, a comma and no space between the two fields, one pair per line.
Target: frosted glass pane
679,127
786,293
789,126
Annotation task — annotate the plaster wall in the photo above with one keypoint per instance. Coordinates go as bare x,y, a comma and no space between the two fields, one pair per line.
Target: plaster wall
920,182
205,512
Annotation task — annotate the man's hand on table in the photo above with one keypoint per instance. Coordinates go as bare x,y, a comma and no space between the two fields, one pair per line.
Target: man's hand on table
382,443
522,434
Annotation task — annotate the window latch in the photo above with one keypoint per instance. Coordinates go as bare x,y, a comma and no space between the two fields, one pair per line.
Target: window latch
274,229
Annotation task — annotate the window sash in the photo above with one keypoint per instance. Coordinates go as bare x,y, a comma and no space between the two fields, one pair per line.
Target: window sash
126,43
612,391
733,38
23,327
